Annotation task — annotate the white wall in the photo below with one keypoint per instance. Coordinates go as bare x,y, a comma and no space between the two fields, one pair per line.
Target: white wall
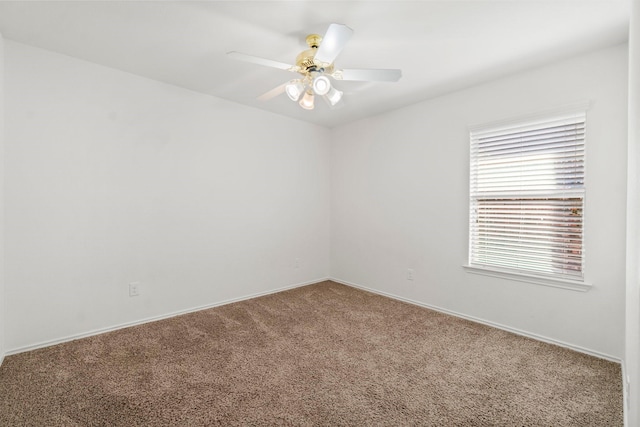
2,305
399,200
632,349
112,178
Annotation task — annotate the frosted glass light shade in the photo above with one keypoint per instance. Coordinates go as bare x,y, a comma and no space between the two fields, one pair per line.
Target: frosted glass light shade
321,85
334,96
307,101
294,89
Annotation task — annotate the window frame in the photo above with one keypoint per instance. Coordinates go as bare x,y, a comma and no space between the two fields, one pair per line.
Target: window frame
554,280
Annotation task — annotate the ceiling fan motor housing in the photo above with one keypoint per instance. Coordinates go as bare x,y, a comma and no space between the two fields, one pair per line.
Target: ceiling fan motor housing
306,59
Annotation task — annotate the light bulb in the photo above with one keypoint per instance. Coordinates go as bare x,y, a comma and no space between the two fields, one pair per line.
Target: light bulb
307,101
321,85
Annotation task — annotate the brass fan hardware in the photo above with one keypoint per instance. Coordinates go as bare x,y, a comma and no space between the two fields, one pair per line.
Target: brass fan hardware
306,61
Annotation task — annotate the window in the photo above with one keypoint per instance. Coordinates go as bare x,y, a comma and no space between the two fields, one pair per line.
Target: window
527,198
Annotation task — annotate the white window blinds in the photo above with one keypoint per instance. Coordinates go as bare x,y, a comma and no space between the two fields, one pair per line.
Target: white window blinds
527,197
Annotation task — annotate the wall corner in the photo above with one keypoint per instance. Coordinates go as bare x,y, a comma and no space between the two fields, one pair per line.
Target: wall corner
631,361
2,142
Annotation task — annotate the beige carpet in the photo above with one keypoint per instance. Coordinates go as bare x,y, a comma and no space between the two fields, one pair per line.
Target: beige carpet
324,354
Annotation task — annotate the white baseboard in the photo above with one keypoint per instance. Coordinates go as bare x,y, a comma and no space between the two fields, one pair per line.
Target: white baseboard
484,322
154,318
297,285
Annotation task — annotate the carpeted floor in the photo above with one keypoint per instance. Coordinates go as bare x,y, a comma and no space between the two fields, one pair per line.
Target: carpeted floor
324,354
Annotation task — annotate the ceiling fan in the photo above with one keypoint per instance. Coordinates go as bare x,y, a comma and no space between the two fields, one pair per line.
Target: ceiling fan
316,65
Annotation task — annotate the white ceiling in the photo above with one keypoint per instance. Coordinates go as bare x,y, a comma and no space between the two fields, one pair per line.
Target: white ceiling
439,45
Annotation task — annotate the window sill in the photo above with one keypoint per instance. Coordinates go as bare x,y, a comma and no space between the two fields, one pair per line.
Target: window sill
573,285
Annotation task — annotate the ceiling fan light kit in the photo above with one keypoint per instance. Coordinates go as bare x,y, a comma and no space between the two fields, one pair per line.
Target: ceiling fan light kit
319,86
316,65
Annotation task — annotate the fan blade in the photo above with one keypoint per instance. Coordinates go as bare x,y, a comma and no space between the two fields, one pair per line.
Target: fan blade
273,92
333,42
261,61
370,75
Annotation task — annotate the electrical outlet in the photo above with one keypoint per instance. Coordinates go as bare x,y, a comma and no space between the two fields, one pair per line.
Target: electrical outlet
134,289
410,273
